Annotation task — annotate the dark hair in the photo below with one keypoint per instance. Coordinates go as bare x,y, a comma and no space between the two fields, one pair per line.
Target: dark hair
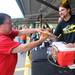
67,6
3,17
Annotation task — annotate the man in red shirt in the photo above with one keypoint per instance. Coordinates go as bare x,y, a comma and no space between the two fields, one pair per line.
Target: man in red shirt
9,48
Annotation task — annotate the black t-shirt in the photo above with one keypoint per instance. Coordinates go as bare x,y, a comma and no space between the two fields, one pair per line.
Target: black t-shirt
66,30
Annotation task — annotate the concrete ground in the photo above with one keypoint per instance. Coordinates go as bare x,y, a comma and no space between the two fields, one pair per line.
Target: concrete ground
23,66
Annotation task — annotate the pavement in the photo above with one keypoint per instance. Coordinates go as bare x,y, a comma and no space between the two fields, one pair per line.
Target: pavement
23,66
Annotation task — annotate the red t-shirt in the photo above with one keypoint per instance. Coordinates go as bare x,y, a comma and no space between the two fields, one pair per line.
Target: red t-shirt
8,59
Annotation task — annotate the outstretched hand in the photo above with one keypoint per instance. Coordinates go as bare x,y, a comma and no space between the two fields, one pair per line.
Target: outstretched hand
44,35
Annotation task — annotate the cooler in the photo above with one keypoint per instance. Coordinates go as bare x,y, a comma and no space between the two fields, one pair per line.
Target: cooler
65,56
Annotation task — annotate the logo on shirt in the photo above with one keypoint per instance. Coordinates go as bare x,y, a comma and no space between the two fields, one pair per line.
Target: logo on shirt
69,29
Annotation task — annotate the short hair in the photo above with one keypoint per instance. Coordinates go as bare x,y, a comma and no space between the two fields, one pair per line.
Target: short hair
3,17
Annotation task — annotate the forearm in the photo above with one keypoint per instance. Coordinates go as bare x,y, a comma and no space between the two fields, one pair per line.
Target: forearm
70,45
32,45
27,46
27,31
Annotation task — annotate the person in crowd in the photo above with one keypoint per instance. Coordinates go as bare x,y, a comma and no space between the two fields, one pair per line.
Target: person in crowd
9,48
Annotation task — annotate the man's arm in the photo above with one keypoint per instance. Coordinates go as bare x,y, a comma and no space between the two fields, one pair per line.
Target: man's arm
29,31
29,46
